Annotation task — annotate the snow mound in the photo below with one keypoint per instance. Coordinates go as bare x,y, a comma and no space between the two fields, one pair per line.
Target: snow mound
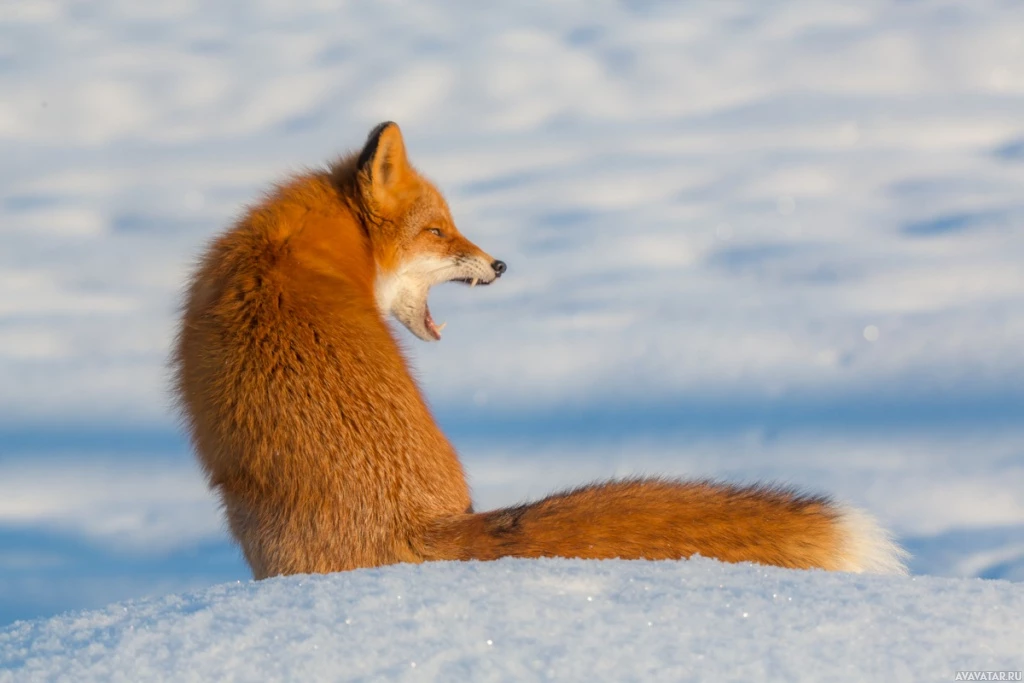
530,620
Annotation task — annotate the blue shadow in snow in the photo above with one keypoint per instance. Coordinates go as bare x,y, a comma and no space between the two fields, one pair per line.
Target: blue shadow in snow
500,183
44,573
876,412
957,222
1011,151
885,409
30,202
993,552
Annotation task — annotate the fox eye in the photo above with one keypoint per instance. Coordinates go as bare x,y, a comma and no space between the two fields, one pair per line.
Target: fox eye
435,231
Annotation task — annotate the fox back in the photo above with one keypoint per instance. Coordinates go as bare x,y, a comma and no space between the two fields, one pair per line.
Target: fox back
295,392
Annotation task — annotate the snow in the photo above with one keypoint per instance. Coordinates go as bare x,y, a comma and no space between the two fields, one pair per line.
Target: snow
698,620
747,188
759,240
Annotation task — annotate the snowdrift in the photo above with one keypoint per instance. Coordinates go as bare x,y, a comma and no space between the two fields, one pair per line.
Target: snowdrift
698,620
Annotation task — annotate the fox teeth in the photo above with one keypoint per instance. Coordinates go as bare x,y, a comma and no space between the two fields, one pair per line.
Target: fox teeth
473,283
440,327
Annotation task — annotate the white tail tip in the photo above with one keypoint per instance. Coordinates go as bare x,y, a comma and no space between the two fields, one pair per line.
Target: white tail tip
867,547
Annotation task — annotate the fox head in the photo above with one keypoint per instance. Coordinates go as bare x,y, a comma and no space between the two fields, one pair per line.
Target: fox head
414,239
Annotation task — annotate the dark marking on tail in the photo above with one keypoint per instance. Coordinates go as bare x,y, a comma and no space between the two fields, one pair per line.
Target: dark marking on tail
505,522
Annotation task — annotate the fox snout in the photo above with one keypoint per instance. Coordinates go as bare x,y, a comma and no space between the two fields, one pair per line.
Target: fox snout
475,275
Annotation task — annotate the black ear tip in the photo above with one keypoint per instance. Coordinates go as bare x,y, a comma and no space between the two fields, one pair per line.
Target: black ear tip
379,128
372,140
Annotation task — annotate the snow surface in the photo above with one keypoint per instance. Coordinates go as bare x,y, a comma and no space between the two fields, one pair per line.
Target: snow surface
517,620
748,240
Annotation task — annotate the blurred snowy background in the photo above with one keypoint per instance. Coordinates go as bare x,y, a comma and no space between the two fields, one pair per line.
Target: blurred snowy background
749,240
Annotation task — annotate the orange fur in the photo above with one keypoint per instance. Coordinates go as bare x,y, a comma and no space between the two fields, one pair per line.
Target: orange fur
651,519
304,415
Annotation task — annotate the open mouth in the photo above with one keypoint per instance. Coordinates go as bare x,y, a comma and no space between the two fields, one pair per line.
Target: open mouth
428,321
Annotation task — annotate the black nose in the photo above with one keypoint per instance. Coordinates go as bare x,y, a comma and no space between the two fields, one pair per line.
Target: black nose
499,267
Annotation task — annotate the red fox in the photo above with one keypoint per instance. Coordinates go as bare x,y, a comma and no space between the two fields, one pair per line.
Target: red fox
303,413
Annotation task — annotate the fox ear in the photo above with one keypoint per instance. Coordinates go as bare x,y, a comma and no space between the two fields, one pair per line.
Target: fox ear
382,162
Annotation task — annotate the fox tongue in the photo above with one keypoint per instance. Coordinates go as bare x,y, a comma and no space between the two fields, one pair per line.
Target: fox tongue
428,321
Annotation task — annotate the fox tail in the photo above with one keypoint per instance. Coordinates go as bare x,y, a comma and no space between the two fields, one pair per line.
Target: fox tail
657,519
